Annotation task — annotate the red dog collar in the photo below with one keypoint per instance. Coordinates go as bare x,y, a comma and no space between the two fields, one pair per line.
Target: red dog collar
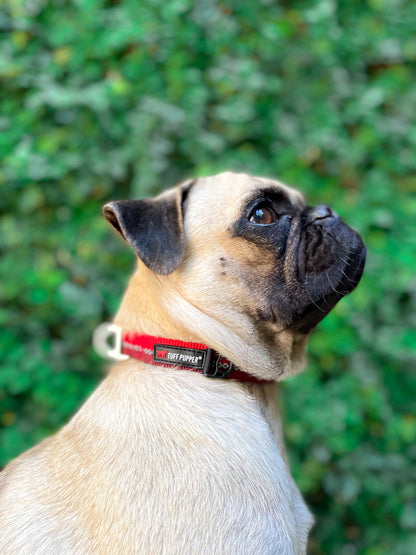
159,351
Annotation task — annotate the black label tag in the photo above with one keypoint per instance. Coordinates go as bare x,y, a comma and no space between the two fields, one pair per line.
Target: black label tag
179,356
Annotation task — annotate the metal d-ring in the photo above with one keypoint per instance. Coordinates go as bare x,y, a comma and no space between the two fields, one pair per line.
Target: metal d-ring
100,342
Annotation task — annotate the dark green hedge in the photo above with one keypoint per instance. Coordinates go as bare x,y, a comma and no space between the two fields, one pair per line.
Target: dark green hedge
116,99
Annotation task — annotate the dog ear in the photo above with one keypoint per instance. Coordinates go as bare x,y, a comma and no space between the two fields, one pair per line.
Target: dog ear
152,227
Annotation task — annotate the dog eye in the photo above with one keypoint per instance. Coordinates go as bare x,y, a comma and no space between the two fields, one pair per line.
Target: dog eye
263,214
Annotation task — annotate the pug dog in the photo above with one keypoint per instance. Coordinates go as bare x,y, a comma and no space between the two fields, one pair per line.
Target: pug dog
180,449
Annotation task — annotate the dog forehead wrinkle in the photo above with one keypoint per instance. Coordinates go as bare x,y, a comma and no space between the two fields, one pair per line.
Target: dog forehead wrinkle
294,196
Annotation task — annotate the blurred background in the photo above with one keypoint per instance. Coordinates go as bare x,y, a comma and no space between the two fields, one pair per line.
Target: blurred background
116,99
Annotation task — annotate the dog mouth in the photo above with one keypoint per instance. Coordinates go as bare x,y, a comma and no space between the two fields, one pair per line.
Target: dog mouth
326,263
330,266
320,305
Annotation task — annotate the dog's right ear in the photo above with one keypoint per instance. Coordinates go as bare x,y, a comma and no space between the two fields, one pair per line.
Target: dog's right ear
152,227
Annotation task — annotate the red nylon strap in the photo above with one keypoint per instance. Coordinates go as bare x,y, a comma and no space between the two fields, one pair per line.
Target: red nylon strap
202,359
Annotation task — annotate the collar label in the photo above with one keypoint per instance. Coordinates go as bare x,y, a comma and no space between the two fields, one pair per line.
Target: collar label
179,356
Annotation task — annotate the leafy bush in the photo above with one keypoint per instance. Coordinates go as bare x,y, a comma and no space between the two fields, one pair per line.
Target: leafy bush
109,99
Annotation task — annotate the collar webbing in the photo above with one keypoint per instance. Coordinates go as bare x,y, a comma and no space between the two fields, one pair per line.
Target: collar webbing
159,351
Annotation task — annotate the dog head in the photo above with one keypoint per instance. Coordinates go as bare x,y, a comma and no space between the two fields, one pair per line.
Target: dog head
243,264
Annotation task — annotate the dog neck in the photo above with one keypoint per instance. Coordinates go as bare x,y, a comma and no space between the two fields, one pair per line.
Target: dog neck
174,317
142,308
153,305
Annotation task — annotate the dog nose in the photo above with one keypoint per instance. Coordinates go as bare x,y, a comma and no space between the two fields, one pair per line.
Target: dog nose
321,212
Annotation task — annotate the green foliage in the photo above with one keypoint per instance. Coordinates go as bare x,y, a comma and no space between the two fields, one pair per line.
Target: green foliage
105,99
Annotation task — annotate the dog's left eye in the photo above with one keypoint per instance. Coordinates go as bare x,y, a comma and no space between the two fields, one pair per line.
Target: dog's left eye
263,214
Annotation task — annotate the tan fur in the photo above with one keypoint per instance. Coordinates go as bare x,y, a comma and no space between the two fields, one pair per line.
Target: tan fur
159,461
